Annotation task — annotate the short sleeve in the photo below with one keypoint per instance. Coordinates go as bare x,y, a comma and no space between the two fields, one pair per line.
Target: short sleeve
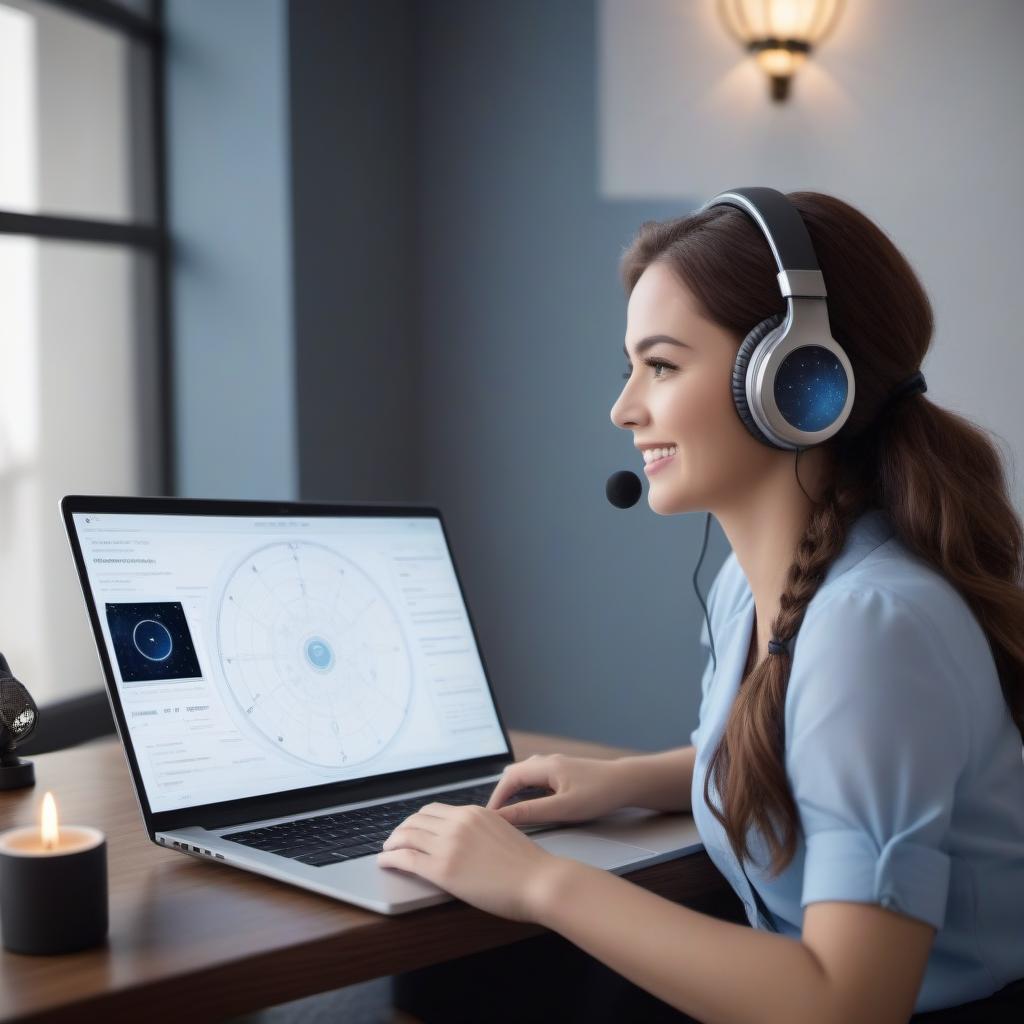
876,739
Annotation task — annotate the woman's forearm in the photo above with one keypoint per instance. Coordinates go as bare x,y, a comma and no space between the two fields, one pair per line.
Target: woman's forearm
658,782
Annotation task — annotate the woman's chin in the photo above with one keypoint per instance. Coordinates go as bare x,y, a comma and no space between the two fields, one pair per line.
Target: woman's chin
667,501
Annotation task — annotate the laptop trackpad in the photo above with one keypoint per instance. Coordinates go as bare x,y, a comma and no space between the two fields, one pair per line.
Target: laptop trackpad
601,853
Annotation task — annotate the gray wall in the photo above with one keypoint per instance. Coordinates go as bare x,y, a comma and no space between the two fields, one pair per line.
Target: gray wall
353,205
432,313
459,328
586,612
230,218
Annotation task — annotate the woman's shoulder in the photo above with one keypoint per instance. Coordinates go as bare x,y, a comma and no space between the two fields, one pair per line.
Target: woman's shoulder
894,595
891,626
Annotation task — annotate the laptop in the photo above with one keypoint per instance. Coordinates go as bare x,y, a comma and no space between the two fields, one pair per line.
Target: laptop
291,680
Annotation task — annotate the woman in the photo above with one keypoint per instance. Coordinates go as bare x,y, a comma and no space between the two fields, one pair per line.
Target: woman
856,772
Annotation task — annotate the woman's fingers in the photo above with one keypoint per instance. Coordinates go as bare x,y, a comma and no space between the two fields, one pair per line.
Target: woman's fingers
532,812
534,771
424,820
410,836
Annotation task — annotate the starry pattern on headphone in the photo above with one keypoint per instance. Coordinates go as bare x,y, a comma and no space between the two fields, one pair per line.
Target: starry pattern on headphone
810,388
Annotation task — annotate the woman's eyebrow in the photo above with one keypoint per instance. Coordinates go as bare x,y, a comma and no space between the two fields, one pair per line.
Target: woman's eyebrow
645,343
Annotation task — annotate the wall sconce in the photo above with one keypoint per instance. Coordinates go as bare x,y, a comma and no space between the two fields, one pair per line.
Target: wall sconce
780,33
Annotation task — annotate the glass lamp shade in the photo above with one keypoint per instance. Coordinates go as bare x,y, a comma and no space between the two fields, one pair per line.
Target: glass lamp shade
780,33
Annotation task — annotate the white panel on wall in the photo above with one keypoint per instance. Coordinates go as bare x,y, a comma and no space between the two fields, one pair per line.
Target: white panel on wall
911,112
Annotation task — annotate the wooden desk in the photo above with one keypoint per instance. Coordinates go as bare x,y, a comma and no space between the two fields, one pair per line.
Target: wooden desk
199,942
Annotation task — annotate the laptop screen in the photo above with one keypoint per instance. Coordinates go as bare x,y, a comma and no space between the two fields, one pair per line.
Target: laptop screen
258,655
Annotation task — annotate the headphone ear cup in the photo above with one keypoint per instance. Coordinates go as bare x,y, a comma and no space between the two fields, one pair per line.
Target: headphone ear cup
739,374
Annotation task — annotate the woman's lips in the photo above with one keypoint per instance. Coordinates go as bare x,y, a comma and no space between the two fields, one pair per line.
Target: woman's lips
653,467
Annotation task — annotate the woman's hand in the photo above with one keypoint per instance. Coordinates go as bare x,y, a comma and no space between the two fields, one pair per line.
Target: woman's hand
474,854
584,788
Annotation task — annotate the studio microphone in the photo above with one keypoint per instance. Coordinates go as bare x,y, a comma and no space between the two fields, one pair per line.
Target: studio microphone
623,489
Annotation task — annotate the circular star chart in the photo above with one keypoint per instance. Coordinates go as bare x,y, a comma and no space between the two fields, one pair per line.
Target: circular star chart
152,640
313,654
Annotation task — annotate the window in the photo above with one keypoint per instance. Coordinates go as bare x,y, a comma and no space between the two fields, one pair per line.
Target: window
84,401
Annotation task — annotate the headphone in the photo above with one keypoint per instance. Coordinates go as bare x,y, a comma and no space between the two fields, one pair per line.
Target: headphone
792,383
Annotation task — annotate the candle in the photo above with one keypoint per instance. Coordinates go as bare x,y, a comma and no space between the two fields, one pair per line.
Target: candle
53,886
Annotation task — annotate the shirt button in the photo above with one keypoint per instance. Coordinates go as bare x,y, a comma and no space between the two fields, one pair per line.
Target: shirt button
888,901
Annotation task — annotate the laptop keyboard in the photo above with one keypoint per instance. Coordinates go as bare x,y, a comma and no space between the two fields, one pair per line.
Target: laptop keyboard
331,838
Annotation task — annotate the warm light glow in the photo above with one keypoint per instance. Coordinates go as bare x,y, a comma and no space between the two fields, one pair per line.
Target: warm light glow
50,832
779,62
788,17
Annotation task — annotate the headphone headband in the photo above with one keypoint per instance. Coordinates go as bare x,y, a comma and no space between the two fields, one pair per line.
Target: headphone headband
784,228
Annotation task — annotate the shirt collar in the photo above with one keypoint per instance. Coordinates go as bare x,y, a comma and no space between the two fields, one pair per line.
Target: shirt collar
870,529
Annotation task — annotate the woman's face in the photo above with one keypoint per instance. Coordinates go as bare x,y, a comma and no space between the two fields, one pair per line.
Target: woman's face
685,401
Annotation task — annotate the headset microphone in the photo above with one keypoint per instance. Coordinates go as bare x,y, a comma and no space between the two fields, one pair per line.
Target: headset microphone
623,489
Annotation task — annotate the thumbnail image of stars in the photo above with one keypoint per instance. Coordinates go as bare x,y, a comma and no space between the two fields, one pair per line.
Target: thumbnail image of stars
152,641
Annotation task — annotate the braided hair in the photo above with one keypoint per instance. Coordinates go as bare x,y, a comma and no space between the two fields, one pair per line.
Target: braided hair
753,743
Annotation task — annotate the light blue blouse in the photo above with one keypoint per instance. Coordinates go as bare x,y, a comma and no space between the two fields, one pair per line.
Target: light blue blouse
903,759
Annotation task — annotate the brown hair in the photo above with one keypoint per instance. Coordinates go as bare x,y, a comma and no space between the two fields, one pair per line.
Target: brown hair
937,474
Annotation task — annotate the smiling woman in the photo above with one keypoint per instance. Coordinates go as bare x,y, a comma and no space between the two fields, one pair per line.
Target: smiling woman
856,771
933,485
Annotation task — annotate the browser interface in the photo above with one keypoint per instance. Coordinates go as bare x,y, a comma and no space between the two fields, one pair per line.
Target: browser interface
258,655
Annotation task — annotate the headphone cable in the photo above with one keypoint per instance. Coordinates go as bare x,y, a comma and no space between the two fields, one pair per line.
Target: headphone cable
711,641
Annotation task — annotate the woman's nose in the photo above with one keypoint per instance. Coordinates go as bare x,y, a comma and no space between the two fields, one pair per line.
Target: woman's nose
626,412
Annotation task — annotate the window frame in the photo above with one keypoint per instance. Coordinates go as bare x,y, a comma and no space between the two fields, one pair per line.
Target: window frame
149,238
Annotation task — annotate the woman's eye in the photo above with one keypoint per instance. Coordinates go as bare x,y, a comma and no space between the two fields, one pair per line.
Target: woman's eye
655,363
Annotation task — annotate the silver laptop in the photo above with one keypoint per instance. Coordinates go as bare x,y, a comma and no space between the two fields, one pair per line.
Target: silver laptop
290,681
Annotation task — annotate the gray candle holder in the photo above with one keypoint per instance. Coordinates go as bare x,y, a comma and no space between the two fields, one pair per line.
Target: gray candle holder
52,901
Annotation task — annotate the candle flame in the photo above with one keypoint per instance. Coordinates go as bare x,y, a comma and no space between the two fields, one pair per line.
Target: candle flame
50,831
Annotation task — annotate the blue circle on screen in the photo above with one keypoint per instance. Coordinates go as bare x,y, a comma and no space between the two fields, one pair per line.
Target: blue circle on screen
811,388
152,640
319,654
